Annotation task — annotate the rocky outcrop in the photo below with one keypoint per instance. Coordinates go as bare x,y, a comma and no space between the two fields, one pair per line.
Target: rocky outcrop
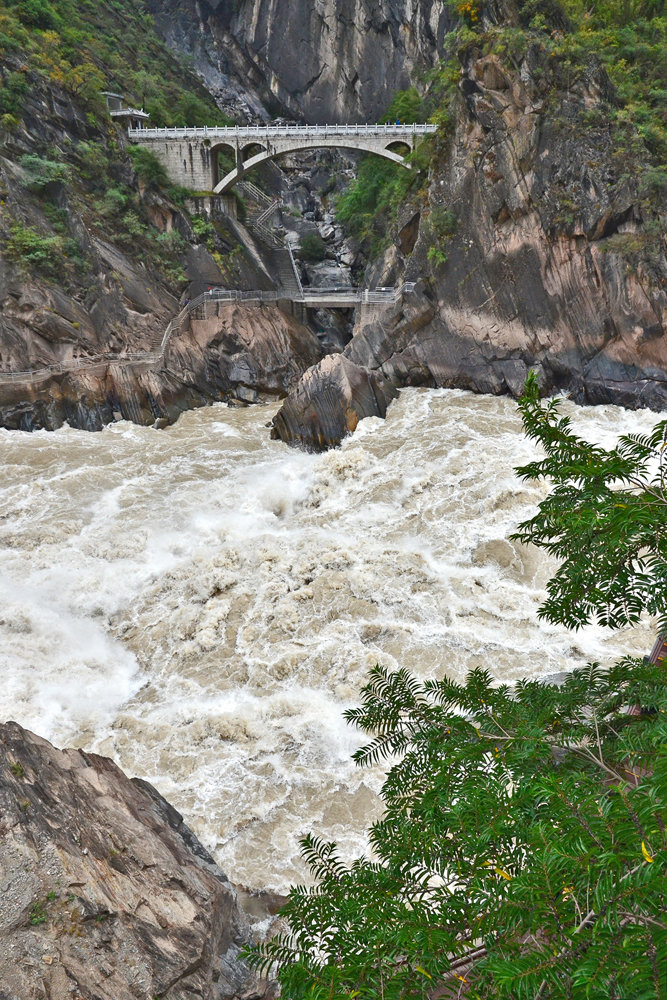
106,894
328,403
243,352
333,60
553,262
535,250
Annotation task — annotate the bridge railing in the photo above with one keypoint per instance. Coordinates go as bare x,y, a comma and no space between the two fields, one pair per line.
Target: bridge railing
235,132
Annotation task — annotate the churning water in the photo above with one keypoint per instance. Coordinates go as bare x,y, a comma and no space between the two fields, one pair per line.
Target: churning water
202,603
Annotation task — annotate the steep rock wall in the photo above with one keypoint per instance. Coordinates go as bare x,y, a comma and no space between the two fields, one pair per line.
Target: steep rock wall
329,60
551,259
556,260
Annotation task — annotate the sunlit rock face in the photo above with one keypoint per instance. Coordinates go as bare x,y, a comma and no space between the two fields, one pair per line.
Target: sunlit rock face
333,60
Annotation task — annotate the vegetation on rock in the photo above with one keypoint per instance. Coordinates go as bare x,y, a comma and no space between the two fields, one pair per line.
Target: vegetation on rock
558,43
312,248
87,47
79,180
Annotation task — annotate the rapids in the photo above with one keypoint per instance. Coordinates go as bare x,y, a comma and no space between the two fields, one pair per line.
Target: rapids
202,603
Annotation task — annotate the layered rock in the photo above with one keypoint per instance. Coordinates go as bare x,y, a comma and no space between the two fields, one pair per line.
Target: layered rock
106,893
243,352
327,61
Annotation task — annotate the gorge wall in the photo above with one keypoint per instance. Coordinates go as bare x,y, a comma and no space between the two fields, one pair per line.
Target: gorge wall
534,246
329,61
532,240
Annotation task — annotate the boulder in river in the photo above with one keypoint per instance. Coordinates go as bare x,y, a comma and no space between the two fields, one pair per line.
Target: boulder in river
328,403
106,893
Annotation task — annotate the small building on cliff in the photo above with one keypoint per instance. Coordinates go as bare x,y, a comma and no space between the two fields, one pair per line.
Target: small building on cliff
134,117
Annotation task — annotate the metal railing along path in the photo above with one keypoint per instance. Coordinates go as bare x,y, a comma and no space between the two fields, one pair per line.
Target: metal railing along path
329,297
253,192
234,133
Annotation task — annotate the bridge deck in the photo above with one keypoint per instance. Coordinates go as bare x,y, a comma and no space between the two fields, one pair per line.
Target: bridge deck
266,132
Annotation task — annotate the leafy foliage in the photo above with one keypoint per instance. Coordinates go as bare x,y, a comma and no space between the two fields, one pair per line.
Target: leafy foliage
605,519
406,107
312,248
522,850
27,245
86,47
369,206
148,168
42,172
528,824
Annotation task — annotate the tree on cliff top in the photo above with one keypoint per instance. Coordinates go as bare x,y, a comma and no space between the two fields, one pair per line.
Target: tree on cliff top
522,849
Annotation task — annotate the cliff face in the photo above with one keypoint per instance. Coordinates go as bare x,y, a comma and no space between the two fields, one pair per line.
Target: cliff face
533,248
552,264
332,60
556,261
106,892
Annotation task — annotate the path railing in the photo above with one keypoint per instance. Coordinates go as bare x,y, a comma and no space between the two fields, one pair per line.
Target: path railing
326,297
253,192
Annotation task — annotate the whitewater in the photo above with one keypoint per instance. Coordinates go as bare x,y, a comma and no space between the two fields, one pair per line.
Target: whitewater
202,603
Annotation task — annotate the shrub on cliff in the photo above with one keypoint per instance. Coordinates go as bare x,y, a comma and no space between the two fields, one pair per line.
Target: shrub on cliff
41,172
522,849
148,168
312,248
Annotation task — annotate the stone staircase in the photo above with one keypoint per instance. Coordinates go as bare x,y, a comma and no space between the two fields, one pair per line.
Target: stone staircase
278,258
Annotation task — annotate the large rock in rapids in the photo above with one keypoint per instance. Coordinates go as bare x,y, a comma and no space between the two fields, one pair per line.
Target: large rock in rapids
106,894
328,403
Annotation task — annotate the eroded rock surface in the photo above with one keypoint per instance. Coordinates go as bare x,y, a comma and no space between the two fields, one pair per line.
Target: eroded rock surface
328,403
243,352
334,60
106,894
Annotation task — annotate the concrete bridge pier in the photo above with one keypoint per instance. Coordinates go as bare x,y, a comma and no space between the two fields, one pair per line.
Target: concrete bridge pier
187,162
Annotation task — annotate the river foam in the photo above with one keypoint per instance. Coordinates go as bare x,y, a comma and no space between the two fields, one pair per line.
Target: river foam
202,603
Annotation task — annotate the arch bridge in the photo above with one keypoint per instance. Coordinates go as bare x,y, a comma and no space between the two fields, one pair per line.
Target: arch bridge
190,155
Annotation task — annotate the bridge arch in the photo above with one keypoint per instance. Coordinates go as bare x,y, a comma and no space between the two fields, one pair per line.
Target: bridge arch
190,154
225,150
236,174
